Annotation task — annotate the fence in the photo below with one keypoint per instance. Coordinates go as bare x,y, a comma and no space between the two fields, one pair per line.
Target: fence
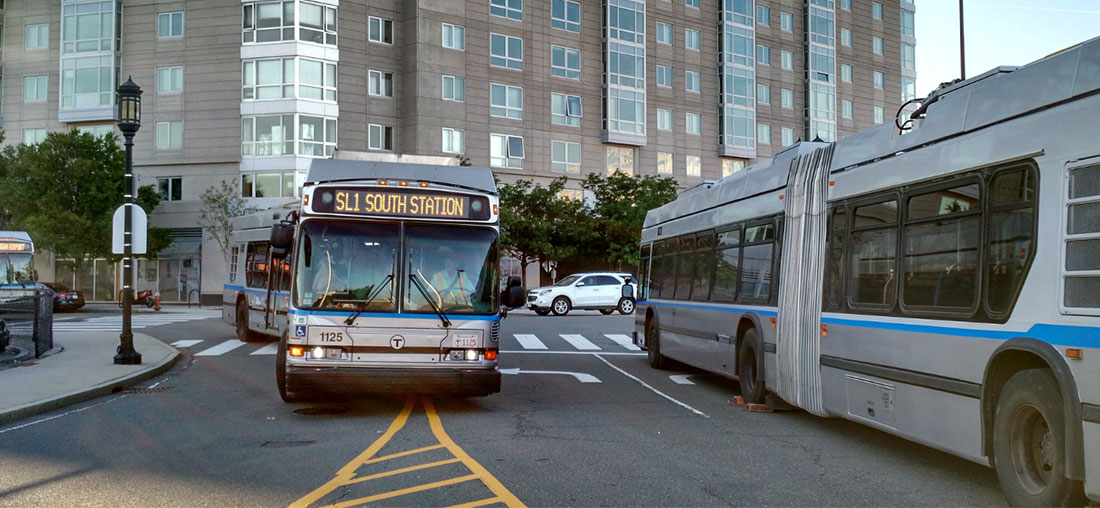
28,313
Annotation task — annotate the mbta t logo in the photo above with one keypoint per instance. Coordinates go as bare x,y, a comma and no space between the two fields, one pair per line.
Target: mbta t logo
397,342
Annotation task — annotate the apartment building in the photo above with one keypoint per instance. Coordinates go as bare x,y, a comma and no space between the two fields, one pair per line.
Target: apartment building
250,91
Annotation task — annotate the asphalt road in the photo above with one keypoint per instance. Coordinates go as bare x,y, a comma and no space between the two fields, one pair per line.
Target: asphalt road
572,427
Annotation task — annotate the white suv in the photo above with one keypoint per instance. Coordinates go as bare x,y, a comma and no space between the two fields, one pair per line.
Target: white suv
602,291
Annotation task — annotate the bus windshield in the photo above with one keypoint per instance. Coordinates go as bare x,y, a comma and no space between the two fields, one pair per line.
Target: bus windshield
456,266
16,269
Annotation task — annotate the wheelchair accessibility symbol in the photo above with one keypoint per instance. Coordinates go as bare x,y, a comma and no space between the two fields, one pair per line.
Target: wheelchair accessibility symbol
300,331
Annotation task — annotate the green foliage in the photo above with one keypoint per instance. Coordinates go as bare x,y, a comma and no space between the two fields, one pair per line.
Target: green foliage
463,160
621,202
220,205
537,225
64,191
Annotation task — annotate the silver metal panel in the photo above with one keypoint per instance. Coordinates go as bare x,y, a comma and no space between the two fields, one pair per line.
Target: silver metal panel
1092,459
334,170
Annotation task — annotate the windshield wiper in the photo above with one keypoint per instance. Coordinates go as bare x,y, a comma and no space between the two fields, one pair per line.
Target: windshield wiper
371,294
424,293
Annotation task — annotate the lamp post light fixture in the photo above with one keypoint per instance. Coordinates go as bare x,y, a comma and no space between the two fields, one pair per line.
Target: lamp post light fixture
129,121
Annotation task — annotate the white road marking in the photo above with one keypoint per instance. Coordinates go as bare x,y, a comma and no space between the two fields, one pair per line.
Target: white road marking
185,343
579,342
269,349
581,376
652,389
222,348
681,379
623,340
529,341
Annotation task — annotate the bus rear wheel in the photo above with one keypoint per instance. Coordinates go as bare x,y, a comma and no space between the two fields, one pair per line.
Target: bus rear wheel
243,333
750,377
653,345
1029,443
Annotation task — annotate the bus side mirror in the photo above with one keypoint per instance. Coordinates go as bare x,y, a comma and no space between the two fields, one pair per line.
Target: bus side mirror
282,236
513,294
628,290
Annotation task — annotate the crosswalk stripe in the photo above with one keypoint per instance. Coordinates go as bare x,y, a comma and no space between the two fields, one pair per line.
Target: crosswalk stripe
529,341
269,349
623,340
222,348
579,342
185,343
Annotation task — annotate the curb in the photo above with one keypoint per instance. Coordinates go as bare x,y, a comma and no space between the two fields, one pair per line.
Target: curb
89,393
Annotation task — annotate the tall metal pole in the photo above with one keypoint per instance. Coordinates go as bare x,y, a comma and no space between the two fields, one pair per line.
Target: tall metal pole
126,353
962,44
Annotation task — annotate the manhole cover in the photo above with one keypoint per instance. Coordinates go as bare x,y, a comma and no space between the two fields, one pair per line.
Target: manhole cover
321,411
286,444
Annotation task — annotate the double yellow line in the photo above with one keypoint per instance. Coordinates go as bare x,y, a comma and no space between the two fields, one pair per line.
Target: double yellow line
346,475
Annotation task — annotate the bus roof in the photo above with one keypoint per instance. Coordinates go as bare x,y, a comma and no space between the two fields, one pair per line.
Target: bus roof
16,235
334,170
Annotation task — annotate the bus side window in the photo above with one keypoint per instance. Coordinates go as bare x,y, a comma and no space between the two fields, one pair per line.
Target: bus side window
704,266
256,265
668,269
873,255
685,272
834,263
1011,236
727,262
643,272
233,257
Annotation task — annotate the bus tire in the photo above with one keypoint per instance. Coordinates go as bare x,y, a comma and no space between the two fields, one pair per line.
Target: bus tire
653,345
626,306
1029,443
748,374
280,374
561,306
243,333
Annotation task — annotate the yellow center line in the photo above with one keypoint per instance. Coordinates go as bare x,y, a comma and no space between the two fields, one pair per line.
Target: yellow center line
475,504
400,471
402,492
402,454
488,479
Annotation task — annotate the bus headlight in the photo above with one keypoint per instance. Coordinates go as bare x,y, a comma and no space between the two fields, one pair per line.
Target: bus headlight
471,354
318,353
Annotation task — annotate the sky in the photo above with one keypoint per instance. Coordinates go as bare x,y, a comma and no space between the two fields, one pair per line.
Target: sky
997,32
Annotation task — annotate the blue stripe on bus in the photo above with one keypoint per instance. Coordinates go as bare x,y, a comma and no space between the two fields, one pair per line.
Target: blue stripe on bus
1059,335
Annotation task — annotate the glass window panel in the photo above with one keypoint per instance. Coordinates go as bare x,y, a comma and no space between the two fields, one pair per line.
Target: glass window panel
872,280
944,202
878,214
941,263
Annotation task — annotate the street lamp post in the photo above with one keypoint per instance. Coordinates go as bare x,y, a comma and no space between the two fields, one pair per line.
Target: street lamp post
129,121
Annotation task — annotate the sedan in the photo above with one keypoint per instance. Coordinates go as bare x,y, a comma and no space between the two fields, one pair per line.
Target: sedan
65,299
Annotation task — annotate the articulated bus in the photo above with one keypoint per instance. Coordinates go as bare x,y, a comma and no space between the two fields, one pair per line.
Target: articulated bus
941,284
16,259
383,278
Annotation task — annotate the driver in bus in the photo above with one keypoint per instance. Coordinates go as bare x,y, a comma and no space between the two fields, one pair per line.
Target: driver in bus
332,273
452,284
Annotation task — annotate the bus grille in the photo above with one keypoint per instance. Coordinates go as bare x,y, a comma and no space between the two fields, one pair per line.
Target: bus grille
495,332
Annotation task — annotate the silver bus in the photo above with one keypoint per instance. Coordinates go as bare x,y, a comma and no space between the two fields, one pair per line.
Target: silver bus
940,283
383,278
16,259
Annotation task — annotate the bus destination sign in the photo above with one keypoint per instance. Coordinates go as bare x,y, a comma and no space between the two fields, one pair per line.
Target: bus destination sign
14,245
400,203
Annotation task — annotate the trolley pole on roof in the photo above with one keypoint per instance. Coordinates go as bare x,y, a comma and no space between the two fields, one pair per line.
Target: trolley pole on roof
129,121
962,44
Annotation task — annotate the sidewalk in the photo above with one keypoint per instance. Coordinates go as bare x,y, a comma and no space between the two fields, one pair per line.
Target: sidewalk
81,367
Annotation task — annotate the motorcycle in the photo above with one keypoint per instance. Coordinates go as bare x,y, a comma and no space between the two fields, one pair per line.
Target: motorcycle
142,298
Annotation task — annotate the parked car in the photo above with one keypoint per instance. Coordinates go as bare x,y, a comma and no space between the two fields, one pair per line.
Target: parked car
602,291
65,299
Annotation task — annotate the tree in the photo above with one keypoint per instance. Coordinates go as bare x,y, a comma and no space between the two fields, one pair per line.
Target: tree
64,191
621,202
220,205
538,225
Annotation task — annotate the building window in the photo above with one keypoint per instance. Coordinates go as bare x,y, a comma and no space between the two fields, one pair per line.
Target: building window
97,130
264,136
786,21
34,88
763,15
268,185
625,111
692,3
626,21
846,108
691,39
786,98
907,23
845,37
454,37
33,136
565,62
510,9
268,79
506,51
318,23
876,10
764,55
169,135
170,188
908,57
169,24
454,140
506,101
877,79
787,135
380,137
846,5
908,89
381,30
763,94
664,76
565,15
693,123
316,80
565,157
846,73
565,109
664,119
691,81
36,37
621,159
876,45
454,89
505,151
664,33
787,59
169,79
763,134
381,84
694,165
731,166
316,136
274,21
878,114
664,163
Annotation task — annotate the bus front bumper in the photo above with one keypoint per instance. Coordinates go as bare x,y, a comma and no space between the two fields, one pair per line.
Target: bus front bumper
351,380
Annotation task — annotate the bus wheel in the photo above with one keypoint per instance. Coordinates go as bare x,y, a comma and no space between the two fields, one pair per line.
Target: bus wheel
560,306
653,345
750,377
1029,443
280,373
243,332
